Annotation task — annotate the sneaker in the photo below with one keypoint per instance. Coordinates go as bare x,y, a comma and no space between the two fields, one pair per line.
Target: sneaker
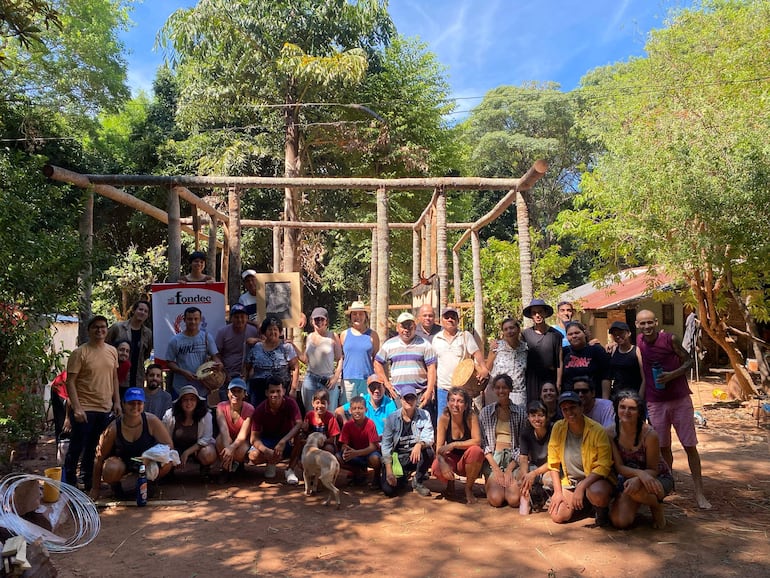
291,477
419,488
270,471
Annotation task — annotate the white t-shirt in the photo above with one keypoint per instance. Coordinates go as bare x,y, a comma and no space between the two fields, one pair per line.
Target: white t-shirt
449,354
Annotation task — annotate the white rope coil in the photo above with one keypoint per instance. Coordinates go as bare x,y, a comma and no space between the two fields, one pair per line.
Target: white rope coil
83,511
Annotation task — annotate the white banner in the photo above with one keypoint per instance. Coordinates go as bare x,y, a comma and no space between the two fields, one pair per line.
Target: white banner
169,300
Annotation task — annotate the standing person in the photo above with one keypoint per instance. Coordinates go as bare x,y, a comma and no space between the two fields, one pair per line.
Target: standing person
501,425
231,343
509,356
197,266
322,355
271,359
668,396
249,297
582,358
599,410
426,326
123,348
580,464
92,387
359,345
625,361
544,361
452,346
135,331
412,363
157,400
645,477
407,445
188,350
564,313
458,444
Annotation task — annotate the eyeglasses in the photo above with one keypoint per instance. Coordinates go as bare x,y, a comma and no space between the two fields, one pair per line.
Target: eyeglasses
582,391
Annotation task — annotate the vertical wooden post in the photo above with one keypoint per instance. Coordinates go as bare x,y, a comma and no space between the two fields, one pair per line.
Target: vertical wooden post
233,278
525,251
86,230
416,256
373,273
456,275
441,248
174,236
478,289
277,249
428,253
211,254
383,264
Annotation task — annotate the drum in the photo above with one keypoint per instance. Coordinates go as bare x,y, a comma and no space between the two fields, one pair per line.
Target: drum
465,376
210,376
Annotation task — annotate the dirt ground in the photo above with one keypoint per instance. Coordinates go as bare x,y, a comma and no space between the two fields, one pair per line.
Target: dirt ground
258,527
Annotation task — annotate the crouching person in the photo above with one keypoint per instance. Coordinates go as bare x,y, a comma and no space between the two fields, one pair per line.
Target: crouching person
274,427
129,436
407,446
360,444
190,426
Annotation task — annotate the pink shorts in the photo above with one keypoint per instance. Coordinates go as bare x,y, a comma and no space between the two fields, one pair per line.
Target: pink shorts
676,412
473,454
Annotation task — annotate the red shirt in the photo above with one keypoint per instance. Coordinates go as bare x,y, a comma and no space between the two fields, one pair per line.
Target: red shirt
278,424
359,437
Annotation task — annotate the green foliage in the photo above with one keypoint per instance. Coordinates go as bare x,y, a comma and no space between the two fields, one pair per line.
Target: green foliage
683,181
24,20
129,280
500,272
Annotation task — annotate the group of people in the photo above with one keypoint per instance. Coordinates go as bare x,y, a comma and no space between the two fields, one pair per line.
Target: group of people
543,431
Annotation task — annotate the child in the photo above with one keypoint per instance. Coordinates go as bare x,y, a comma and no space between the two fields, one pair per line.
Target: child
197,265
360,443
319,419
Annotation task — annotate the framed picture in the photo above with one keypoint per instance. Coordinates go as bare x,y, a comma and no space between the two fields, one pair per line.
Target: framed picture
668,314
279,295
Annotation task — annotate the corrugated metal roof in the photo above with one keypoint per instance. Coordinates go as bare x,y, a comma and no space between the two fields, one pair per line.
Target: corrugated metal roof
634,285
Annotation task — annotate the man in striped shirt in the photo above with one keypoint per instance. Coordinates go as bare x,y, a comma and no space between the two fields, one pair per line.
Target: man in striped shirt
412,362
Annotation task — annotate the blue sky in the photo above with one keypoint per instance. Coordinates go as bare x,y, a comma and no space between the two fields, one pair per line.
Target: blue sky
482,43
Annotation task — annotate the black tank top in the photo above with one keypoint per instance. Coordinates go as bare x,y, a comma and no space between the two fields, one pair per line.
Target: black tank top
625,370
450,439
125,449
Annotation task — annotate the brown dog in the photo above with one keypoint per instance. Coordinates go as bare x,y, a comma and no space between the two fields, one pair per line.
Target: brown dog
318,464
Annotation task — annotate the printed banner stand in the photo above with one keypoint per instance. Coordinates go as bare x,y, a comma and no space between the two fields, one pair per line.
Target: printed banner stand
169,300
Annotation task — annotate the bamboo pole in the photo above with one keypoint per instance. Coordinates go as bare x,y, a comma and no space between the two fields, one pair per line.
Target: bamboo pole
441,248
174,237
478,289
383,265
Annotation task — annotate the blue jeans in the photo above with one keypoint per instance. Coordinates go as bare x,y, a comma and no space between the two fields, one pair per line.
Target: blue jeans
442,395
313,383
84,439
420,470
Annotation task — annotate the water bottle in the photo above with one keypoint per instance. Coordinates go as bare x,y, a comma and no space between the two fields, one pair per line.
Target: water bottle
700,421
141,487
657,369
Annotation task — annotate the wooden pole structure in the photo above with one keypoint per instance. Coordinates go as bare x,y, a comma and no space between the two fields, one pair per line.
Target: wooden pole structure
327,225
174,236
428,249
525,251
416,256
211,255
456,274
374,271
441,248
383,264
478,288
86,230
277,233
233,277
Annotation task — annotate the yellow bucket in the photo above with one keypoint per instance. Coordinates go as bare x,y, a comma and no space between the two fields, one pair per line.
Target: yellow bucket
51,492
719,394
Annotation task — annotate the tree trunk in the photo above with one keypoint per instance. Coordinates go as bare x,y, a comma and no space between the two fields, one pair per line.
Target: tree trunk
525,248
706,290
441,249
291,195
373,276
233,278
383,264
86,229
478,291
174,236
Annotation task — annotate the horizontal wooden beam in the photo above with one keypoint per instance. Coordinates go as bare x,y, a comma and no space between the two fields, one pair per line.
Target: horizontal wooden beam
320,225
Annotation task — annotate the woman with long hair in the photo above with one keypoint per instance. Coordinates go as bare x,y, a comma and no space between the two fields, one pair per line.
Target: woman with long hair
583,358
549,395
644,477
458,443
501,425
190,425
139,336
534,480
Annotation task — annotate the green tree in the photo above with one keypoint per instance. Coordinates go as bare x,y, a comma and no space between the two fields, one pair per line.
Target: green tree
683,180
24,21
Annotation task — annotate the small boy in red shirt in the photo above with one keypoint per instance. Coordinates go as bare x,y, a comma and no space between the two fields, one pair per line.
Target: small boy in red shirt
360,444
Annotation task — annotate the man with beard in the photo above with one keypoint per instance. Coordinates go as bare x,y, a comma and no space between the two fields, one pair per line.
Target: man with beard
157,400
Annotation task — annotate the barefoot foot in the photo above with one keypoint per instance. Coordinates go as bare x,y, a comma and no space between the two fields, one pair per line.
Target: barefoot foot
703,503
658,516
469,497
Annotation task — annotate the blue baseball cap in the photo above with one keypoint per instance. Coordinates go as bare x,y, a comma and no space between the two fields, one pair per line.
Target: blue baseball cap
238,382
134,394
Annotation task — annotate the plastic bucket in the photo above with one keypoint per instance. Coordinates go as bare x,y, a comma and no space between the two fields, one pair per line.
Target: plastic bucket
51,492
